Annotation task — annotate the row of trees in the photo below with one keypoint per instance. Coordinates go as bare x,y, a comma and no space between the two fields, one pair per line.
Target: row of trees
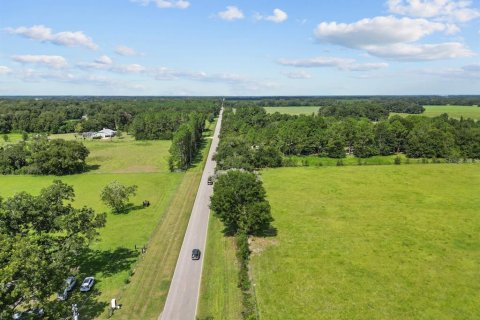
399,104
186,142
63,115
239,201
41,239
43,157
251,138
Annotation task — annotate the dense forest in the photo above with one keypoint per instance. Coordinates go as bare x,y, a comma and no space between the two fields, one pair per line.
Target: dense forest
251,138
146,118
394,103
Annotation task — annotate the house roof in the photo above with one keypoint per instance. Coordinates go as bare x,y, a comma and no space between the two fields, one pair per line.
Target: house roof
107,131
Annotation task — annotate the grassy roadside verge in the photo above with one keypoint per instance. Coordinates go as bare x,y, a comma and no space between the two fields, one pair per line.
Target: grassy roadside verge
145,295
220,296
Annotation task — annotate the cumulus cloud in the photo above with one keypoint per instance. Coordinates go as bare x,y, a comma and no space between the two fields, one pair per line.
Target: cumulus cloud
125,51
106,63
393,38
56,62
5,70
302,74
332,62
106,60
278,16
165,4
45,34
450,10
231,13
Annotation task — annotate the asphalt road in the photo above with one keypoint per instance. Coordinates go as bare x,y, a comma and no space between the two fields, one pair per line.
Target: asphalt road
184,290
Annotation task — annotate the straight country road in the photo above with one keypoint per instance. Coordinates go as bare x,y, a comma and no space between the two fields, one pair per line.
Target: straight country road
184,290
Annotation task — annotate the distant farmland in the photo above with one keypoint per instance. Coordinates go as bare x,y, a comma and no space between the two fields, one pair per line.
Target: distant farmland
456,112
379,242
293,110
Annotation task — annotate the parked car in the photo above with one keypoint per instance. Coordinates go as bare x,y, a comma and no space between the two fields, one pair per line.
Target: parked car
69,284
195,254
28,314
87,284
210,180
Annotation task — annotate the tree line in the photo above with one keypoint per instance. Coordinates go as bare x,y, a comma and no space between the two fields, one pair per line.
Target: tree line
251,138
42,156
400,104
68,115
186,142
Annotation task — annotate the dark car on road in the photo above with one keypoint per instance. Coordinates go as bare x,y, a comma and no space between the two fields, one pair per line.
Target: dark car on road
195,254
210,180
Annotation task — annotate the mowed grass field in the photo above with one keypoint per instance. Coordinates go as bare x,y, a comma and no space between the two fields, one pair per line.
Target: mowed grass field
293,110
456,112
371,242
220,296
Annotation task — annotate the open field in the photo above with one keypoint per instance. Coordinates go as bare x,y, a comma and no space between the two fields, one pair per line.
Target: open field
372,242
456,112
220,296
160,227
293,110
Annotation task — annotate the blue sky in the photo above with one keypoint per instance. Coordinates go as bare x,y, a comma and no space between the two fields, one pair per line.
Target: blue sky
239,47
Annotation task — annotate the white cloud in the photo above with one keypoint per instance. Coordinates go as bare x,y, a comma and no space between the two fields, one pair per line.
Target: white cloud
450,10
238,81
393,37
416,52
165,4
5,70
278,16
106,60
302,74
56,62
65,38
106,63
332,62
231,13
125,51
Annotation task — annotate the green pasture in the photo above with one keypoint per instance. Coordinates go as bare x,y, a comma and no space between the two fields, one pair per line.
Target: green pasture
370,242
456,112
293,110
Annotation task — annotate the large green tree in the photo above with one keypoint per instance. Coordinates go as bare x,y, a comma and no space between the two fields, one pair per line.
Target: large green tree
41,238
116,195
239,201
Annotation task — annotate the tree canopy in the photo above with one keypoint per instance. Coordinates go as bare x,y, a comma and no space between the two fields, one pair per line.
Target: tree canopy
41,238
239,202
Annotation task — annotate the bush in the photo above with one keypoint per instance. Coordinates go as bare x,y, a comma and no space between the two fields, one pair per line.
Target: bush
397,160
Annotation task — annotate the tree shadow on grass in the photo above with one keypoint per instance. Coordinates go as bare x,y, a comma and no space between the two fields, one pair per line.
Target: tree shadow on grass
270,231
130,207
107,262
198,159
92,167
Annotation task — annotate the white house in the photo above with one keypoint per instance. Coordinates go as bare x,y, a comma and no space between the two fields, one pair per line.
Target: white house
106,133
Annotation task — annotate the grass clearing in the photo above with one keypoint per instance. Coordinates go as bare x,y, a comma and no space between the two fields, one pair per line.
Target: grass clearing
220,296
371,242
456,112
293,110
